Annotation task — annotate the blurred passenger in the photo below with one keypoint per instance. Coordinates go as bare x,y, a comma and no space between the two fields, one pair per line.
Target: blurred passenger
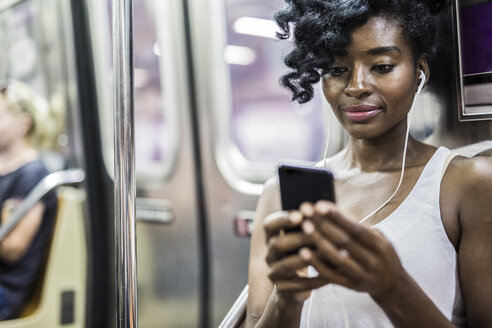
26,125
417,254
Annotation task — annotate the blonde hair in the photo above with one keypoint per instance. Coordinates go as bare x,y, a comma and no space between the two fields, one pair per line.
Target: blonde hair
46,123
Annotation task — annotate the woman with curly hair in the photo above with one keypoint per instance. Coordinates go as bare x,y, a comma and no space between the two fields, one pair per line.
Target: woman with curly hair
408,243
27,124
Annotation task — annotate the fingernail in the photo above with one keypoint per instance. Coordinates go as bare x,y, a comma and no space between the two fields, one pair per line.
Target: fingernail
295,217
307,209
305,254
322,207
308,227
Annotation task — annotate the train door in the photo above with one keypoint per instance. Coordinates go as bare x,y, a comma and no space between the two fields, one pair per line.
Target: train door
171,258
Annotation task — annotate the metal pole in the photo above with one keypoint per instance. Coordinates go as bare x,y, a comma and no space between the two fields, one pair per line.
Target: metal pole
237,313
124,165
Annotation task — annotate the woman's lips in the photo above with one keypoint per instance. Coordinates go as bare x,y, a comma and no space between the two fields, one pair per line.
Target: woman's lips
361,113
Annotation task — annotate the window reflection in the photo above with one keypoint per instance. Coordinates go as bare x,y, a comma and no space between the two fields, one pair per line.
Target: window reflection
21,57
266,125
152,134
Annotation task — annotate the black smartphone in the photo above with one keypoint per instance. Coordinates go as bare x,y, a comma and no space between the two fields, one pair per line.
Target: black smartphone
299,184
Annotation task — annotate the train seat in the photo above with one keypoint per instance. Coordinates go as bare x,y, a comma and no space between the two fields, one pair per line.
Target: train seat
59,298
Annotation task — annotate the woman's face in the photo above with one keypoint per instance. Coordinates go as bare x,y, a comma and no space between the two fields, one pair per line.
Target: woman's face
372,82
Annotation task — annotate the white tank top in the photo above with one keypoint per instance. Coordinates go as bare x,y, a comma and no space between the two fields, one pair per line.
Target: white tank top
416,231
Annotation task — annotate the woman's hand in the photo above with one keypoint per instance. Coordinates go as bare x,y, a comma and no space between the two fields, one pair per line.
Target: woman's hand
288,255
349,254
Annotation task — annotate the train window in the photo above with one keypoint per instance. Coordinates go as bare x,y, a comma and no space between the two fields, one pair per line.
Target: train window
36,53
155,126
264,125
19,42
153,132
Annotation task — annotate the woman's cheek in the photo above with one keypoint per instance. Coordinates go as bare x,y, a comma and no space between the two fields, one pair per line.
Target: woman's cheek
403,97
332,90
402,86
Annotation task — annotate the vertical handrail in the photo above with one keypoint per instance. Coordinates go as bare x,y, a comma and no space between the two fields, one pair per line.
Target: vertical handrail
124,165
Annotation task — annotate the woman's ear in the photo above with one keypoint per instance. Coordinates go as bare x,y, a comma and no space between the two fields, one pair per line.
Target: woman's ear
423,66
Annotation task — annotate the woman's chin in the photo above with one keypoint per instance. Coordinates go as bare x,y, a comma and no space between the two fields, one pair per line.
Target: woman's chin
374,129
363,132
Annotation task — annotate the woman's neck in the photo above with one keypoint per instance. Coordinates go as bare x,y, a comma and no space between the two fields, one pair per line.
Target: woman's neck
384,153
16,155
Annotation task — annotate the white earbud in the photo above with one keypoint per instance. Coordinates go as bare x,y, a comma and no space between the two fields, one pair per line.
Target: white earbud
422,82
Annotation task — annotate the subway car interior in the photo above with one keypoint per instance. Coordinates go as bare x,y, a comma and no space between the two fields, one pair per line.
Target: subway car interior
211,124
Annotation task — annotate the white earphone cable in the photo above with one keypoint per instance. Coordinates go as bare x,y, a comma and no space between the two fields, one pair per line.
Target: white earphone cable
327,143
346,319
403,161
402,169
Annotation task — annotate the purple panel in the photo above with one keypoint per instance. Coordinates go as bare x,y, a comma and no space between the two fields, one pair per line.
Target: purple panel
476,38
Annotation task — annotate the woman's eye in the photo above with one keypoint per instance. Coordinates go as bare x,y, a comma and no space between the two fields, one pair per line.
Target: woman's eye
384,68
337,71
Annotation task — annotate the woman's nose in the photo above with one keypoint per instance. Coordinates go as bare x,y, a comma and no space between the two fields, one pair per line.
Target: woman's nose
357,85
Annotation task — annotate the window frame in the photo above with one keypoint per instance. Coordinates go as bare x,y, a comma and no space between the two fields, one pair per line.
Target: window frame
100,32
240,173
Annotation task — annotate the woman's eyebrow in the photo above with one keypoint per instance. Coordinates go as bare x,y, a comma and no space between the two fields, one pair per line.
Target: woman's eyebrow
381,50
374,51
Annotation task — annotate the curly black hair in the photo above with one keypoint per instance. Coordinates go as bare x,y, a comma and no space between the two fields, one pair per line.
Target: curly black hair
319,26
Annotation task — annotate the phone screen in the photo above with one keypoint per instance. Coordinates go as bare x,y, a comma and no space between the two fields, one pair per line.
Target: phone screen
300,184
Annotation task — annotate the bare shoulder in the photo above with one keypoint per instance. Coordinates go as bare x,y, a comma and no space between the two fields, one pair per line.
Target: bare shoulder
271,186
468,185
270,197
469,177
268,202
